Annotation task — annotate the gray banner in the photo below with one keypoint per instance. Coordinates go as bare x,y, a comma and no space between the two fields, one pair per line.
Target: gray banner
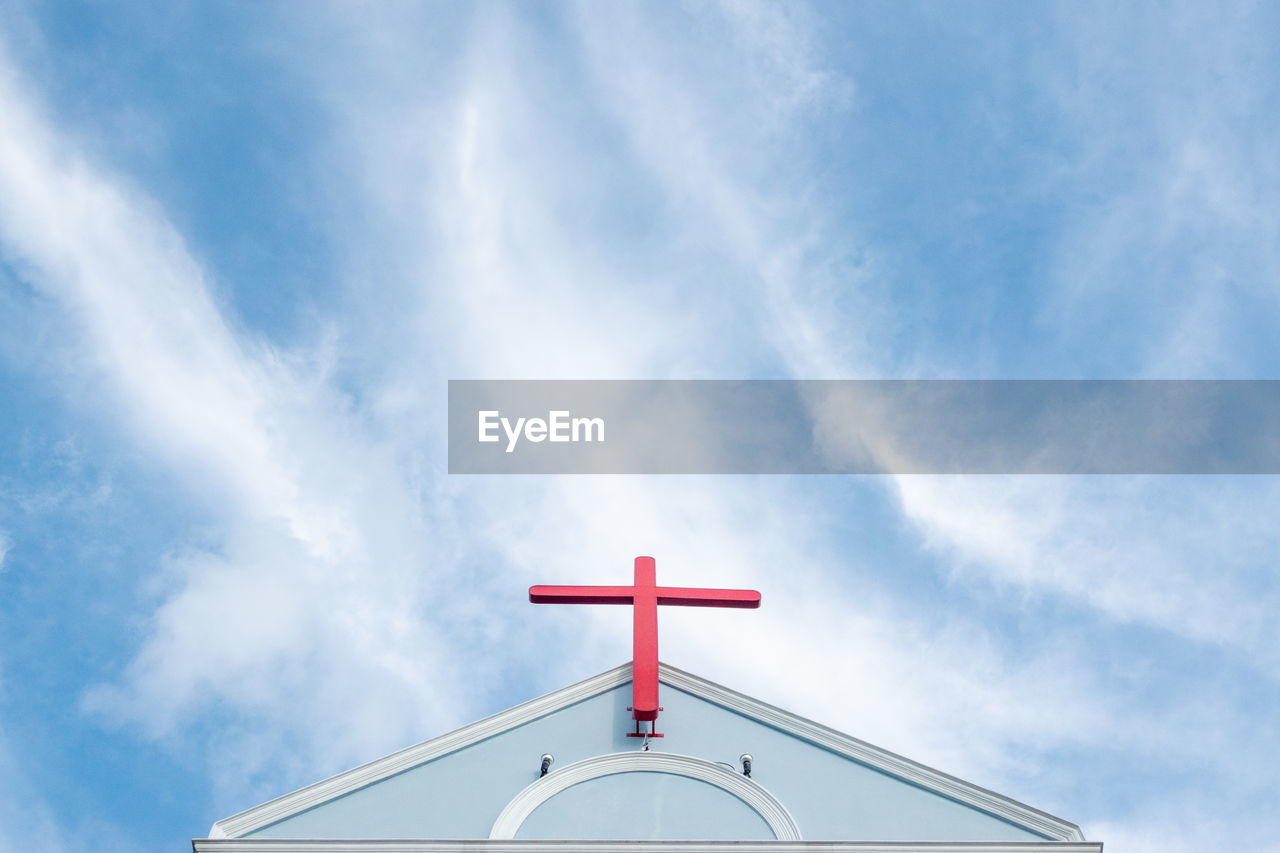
864,427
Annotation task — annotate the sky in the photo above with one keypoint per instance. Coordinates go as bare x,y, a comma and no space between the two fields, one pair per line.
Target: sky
243,248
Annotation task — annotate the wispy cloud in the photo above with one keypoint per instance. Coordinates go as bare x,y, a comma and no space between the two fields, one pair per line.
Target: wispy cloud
808,292
643,204
1172,230
309,507
26,822
535,527
1146,550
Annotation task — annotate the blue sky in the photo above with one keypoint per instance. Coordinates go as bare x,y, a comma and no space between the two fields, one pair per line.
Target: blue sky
243,248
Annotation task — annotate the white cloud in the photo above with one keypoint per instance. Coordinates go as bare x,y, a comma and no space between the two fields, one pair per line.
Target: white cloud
714,148
714,529
357,599
322,543
1160,274
26,821
1164,267
1187,555
1172,835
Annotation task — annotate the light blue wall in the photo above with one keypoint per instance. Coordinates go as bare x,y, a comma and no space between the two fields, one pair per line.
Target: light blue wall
461,794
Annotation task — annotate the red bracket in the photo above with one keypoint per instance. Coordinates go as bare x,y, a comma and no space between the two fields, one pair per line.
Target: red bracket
650,733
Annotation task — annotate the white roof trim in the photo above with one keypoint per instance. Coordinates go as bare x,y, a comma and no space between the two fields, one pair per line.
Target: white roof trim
891,763
895,765
397,762
279,845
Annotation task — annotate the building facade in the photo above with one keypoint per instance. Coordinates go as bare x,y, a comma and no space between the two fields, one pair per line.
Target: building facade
567,772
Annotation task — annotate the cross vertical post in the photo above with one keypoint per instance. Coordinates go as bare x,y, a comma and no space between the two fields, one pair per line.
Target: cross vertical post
644,645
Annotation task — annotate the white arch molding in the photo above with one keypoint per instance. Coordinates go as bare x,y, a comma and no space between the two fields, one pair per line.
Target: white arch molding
774,814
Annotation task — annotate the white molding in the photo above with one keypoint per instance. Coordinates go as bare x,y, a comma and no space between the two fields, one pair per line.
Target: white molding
398,762
264,845
763,803
928,778
882,759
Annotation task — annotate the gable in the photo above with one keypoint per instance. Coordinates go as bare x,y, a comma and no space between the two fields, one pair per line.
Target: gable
806,779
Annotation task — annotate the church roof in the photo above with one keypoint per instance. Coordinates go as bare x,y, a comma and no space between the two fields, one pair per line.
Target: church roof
481,784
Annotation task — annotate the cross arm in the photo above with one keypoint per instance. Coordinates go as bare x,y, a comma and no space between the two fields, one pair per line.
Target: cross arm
694,597
581,594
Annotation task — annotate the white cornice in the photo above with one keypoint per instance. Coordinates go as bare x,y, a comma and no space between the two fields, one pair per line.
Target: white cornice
895,765
366,774
256,845
928,778
774,814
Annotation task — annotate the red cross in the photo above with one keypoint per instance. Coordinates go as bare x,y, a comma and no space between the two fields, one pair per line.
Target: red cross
645,596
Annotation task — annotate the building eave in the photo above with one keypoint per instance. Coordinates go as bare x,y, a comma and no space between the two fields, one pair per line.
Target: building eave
254,845
1053,828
